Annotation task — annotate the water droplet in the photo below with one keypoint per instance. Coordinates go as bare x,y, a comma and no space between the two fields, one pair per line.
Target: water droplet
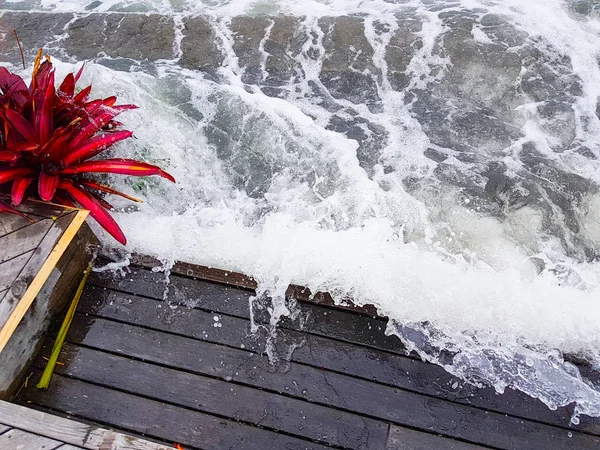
570,434
575,420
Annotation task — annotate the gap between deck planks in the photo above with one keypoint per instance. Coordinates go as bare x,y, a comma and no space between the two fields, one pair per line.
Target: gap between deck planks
171,342
217,397
385,360
318,385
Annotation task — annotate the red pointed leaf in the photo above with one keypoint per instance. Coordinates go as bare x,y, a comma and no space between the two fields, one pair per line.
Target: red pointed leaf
118,166
102,216
13,87
124,107
92,106
91,125
102,201
42,77
109,101
24,147
63,199
7,209
19,188
22,126
47,184
8,80
67,87
10,174
8,157
83,95
101,187
45,119
79,72
95,146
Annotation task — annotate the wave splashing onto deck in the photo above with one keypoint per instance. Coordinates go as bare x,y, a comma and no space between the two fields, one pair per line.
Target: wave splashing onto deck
438,160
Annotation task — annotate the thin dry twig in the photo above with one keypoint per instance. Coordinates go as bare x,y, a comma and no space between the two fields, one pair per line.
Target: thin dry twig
20,47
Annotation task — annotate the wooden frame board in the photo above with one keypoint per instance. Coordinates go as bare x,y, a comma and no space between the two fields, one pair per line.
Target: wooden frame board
39,427
41,263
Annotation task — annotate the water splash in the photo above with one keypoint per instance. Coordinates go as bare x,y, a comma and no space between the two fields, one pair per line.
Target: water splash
439,160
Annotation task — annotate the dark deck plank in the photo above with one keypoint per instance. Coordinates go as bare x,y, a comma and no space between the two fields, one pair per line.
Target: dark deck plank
267,410
240,280
318,320
157,419
16,439
407,439
325,388
367,363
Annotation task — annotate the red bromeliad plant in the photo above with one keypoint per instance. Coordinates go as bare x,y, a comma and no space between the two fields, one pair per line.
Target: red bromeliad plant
49,135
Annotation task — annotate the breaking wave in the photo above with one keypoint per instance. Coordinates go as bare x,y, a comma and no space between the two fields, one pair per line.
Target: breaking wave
439,160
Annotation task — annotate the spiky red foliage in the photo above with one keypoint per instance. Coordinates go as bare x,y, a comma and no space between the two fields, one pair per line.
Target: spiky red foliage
49,135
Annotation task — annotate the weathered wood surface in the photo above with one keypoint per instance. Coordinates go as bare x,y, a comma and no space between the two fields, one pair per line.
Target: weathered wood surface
9,270
30,429
385,359
21,440
138,358
24,239
42,240
40,264
219,397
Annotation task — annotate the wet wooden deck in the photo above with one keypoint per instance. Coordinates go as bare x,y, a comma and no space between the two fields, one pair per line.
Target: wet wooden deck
172,358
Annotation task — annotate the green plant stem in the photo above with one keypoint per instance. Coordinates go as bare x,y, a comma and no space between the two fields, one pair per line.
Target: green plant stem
62,333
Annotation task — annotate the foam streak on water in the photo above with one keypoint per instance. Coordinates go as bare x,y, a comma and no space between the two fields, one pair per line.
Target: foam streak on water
439,160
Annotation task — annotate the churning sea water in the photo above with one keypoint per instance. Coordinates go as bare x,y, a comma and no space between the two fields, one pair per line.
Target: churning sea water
437,159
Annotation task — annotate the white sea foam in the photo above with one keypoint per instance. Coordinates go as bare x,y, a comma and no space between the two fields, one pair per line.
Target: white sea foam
427,259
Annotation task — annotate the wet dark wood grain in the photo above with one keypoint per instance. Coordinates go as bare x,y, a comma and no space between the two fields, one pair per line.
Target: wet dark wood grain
315,319
317,351
259,408
150,342
158,419
323,387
